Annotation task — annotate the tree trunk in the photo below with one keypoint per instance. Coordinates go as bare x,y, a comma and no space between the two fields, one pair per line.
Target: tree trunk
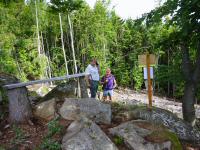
192,78
37,29
73,52
72,42
42,43
63,48
19,105
44,54
188,102
48,60
168,84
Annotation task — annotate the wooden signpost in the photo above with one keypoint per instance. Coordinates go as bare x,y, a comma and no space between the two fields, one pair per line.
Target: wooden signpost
148,60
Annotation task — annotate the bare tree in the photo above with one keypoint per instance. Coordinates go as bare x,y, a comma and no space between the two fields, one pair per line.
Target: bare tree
72,42
37,29
63,47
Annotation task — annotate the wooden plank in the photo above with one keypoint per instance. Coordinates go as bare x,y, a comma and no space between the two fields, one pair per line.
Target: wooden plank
17,85
142,61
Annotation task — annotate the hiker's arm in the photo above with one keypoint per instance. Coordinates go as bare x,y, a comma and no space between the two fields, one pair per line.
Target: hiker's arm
115,84
102,81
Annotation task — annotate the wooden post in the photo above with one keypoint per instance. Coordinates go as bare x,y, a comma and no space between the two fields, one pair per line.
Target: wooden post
19,105
149,80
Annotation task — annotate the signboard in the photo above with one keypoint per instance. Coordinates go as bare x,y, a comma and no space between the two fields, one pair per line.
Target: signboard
145,73
146,61
142,60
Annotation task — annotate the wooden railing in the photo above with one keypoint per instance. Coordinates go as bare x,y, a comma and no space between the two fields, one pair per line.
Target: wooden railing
17,85
19,105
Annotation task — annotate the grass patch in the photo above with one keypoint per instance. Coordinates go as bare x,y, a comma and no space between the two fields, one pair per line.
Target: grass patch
54,127
119,106
1,148
118,140
48,142
19,135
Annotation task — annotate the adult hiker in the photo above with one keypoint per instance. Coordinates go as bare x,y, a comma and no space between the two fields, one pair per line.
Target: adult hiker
109,83
92,79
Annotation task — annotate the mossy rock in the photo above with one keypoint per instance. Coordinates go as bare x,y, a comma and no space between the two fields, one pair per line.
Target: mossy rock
160,134
165,135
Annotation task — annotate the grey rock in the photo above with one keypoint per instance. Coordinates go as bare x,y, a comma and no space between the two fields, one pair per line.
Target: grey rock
46,110
68,90
84,134
63,90
43,90
72,109
134,137
160,116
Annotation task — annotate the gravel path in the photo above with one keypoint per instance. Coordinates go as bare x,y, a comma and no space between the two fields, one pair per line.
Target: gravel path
132,97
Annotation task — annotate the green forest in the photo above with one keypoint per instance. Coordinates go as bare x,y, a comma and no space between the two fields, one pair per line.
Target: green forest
40,40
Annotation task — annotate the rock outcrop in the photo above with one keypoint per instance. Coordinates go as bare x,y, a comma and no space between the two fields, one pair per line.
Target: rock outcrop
135,135
68,90
72,109
84,134
45,110
160,116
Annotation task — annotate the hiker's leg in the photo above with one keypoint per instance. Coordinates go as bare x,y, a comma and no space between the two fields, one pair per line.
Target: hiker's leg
110,94
96,87
92,89
105,95
104,98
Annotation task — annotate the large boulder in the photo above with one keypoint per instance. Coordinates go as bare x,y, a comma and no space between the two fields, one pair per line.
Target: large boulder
68,90
72,109
84,134
160,116
45,110
136,134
